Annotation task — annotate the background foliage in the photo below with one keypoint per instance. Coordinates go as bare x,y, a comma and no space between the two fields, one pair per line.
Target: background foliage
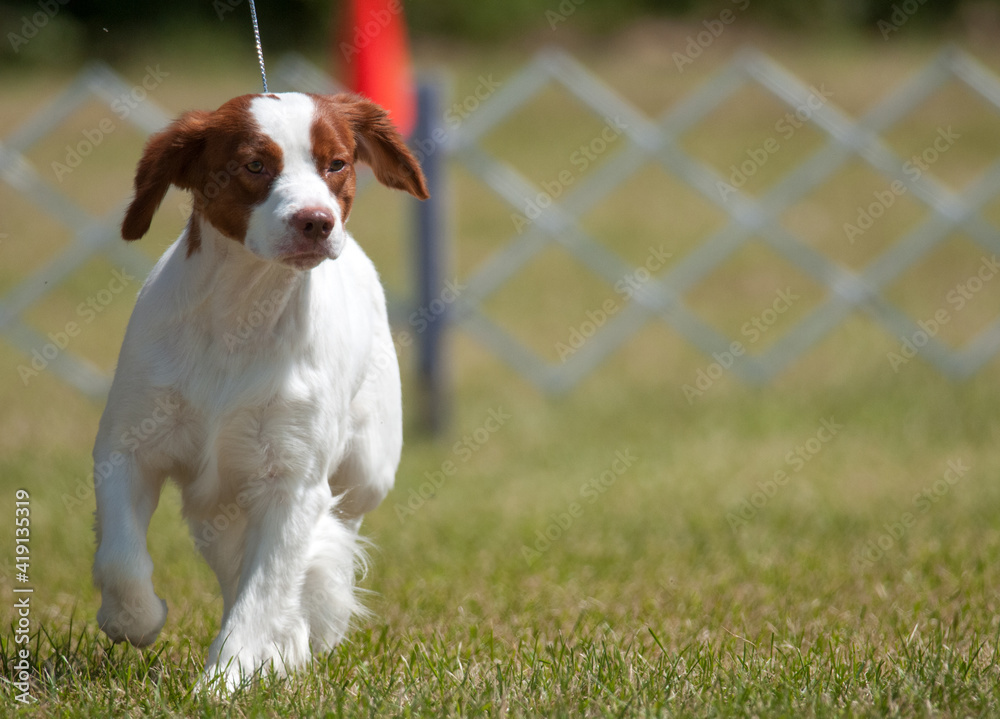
113,28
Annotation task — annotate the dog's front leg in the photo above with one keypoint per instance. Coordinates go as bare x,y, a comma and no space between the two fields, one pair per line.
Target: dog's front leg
123,570
267,626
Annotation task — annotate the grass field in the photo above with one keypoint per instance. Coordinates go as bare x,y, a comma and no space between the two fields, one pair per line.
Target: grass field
825,546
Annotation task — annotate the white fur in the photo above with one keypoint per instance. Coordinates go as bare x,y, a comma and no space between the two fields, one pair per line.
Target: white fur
271,396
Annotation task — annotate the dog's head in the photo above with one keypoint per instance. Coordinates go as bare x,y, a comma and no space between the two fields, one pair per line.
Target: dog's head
274,172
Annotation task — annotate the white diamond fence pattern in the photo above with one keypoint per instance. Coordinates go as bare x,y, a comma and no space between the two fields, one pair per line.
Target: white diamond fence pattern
658,141
647,141
91,236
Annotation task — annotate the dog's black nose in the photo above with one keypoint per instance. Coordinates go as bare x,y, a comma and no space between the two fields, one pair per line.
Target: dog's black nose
313,223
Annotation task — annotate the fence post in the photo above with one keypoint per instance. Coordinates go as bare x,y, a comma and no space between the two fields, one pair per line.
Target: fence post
431,250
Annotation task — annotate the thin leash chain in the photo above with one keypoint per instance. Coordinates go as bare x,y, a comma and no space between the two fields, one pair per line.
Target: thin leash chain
260,51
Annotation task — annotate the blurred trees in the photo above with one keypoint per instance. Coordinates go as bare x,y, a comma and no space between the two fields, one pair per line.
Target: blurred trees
107,27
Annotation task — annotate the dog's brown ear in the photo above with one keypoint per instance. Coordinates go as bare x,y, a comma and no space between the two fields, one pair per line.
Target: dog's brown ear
380,145
166,160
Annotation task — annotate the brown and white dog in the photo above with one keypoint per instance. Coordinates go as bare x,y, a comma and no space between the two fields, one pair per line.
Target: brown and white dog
258,372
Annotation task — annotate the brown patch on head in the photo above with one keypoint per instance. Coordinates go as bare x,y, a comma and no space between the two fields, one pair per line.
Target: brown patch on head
229,165
210,154
333,148
230,189
376,142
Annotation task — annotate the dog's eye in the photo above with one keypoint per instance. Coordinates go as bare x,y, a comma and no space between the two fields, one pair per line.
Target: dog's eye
337,165
256,167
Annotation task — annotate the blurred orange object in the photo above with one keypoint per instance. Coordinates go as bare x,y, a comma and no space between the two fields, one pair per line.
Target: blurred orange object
372,54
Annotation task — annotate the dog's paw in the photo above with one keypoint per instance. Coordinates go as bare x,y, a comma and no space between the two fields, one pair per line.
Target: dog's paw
232,671
223,681
133,616
235,660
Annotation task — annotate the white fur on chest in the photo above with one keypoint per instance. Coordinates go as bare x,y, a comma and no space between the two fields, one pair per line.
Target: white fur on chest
256,372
